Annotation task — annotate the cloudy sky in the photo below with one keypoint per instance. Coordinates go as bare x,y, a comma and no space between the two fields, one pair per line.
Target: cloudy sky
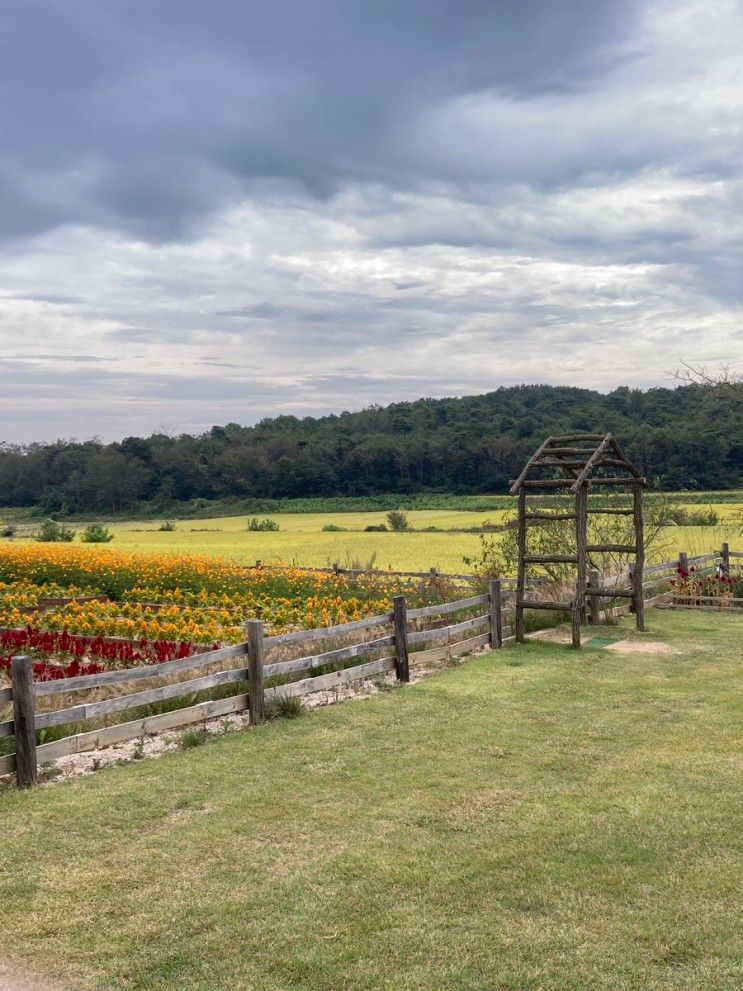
217,211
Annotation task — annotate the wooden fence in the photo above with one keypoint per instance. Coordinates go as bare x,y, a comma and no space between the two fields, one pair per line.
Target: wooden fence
250,665
433,574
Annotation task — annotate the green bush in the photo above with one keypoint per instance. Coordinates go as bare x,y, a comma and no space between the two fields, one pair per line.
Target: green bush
52,532
167,527
398,520
256,524
8,531
682,516
375,528
96,533
333,528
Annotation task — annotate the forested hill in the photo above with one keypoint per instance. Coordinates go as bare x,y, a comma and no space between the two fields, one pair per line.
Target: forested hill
688,437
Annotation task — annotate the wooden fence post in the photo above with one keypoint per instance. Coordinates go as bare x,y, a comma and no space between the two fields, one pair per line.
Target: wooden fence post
594,605
683,561
496,616
638,576
402,668
725,555
22,681
256,691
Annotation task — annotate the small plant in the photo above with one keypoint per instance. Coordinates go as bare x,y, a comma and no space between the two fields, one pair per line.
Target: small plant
333,528
398,520
52,532
285,707
167,527
96,533
262,525
48,772
690,584
138,749
193,738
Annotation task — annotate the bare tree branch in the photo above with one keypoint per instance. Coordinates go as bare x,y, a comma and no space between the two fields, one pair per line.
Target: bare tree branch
724,379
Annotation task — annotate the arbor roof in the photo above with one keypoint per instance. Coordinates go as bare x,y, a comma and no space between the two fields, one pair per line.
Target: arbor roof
574,460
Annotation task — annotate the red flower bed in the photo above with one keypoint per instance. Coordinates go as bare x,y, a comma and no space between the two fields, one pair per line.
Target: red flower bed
63,655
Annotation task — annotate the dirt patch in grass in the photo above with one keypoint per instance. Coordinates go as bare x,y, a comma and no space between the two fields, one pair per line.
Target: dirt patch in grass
641,647
19,982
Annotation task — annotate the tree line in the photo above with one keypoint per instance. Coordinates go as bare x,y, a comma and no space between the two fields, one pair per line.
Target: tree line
682,438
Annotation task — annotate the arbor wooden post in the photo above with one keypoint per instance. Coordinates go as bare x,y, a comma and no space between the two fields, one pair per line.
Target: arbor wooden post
521,574
22,682
496,615
594,604
639,572
581,459
402,667
581,541
256,689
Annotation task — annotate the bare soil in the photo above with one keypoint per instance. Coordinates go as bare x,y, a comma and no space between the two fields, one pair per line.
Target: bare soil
13,981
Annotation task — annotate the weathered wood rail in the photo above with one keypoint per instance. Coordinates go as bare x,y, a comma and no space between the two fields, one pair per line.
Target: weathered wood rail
388,650
433,574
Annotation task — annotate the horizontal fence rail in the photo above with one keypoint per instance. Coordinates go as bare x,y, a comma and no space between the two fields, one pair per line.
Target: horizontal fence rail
85,681
336,569
449,636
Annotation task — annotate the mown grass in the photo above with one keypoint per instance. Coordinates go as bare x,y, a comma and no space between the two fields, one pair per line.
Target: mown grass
566,822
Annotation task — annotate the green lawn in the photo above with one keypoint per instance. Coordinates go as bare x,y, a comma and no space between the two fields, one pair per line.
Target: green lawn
534,819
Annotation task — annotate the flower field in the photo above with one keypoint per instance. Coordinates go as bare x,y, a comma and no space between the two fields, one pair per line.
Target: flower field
160,606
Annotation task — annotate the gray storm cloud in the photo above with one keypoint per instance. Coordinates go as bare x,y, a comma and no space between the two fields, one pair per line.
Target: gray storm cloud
222,211
143,114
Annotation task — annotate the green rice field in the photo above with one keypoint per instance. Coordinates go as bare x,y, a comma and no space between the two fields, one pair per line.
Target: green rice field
301,539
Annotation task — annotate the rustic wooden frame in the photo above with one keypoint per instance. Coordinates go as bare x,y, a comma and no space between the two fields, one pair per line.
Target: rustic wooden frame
576,460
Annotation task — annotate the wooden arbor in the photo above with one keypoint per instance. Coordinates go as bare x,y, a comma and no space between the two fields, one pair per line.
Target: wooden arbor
578,463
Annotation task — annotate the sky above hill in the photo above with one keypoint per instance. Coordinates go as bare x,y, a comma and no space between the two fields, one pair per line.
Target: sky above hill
215,212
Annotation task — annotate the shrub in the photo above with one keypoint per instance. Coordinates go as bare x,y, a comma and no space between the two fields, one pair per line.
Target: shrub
256,524
398,520
167,527
375,528
681,516
52,532
96,533
333,528
8,531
